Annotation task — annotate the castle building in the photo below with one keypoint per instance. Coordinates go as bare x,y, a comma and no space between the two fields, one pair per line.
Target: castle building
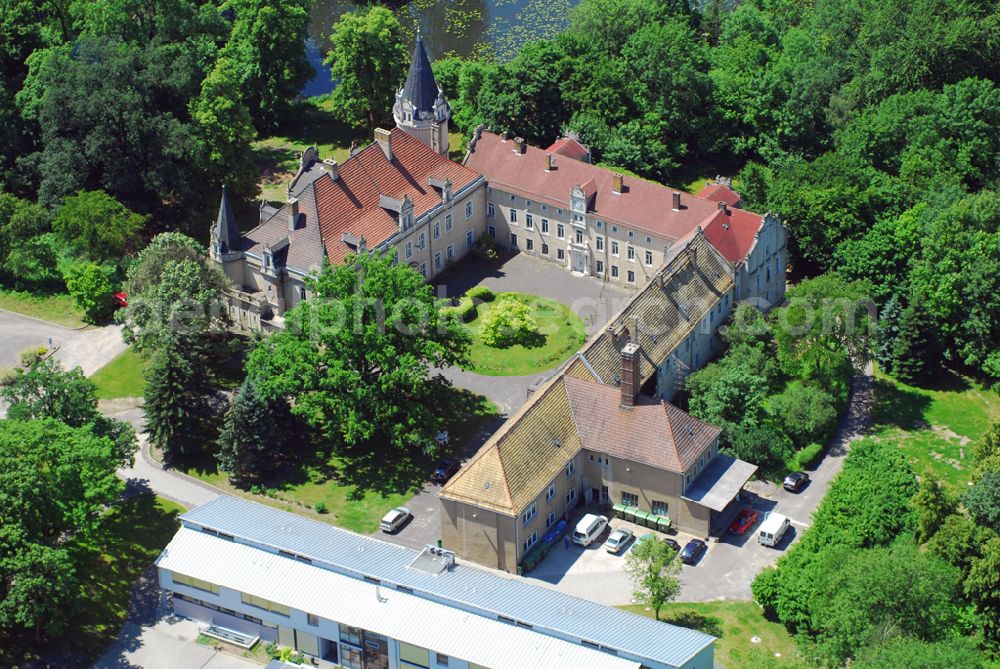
421,109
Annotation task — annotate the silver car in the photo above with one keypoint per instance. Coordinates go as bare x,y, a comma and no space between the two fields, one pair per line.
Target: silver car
618,540
395,519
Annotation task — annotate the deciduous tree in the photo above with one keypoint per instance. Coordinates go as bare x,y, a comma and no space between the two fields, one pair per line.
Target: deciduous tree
97,226
653,568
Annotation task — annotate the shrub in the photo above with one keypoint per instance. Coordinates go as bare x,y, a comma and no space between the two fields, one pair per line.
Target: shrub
466,311
481,293
808,455
30,356
509,322
485,248
90,287
272,650
7,375
320,507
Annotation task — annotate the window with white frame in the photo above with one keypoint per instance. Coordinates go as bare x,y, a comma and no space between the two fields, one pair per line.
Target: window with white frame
659,508
437,261
649,259
600,267
409,249
529,514
550,492
530,541
630,276
550,519
561,254
491,210
600,242
545,249
570,467
579,236
470,239
630,499
545,226
630,252
529,244
614,271
421,240
468,209
423,269
571,496
614,248
529,222
513,216
560,230
451,251
448,223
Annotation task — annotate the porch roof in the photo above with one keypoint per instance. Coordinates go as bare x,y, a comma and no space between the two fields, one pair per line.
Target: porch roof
720,482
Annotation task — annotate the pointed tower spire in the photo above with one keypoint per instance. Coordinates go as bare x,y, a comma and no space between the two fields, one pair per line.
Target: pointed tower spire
226,229
421,109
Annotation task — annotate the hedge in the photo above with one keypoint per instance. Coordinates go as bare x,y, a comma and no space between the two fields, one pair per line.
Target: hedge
481,293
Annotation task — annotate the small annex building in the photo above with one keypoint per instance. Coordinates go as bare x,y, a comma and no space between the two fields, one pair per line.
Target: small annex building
349,600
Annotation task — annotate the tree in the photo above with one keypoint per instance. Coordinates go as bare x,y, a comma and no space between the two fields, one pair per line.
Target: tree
932,505
986,451
38,584
175,402
653,568
266,49
863,595
90,287
509,322
355,360
224,131
173,290
21,222
914,350
368,61
46,390
983,501
98,226
982,586
251,438
806,413
886,331
957,540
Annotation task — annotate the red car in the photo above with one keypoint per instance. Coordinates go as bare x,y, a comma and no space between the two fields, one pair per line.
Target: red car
744,521
121,300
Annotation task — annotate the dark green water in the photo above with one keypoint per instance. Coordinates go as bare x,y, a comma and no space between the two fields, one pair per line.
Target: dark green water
462,27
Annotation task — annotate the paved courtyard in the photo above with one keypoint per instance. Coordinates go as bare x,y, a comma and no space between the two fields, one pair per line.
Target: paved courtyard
90,348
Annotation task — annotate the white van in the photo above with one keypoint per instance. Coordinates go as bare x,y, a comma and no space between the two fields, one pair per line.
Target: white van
589,528
772,529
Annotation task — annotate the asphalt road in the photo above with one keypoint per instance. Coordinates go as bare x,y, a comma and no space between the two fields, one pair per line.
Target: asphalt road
89,348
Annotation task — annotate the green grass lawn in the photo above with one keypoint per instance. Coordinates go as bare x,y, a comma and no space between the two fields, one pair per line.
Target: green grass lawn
352,491
562,334
735,624
59,308
122,377
130,537
935,426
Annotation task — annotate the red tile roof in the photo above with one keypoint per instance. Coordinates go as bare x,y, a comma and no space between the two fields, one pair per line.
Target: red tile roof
351,204
652,432
732,232
644,205
720,193
569,147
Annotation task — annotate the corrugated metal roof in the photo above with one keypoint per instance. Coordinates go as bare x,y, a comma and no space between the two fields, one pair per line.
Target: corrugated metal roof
465,586
387,611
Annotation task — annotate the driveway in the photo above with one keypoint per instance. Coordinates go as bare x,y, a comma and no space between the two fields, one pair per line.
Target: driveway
90,348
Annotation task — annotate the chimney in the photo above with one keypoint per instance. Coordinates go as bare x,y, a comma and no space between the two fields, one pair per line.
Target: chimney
503,136
293,213
331,166
723,207
384,139
519,145
618,184
677,201
630,374
550,162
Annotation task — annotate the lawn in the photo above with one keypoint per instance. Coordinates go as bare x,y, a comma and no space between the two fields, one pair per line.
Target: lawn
57,308
735,624
130,537
562,334
935,426
356,494
122,377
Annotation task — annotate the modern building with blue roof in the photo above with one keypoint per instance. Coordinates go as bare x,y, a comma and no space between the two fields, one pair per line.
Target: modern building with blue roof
349,600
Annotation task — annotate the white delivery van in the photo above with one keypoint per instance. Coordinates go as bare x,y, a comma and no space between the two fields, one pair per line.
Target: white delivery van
772,529
589,528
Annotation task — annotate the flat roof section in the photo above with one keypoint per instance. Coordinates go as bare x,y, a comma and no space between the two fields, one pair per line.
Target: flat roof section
720,482
463,586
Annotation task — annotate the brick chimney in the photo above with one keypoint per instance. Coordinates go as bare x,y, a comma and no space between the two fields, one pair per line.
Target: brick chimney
519,145
723,207
293,213
618,183
384,139
677,201
630,374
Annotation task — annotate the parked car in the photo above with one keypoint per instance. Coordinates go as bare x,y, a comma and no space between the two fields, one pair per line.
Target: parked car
444,471
395,519
795,481
773,529
618,540
744,521
589,528
692,551
120,300
674,546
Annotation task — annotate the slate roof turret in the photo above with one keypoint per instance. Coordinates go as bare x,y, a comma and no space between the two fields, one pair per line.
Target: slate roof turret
421,88
225,225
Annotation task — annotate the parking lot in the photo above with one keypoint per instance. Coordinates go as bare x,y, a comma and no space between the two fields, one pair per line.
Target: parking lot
724,571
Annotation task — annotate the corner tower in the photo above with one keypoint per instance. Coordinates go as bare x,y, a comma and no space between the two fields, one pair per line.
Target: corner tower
421,109
226,245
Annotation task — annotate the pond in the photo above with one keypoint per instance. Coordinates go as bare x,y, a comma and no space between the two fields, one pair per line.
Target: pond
449,27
